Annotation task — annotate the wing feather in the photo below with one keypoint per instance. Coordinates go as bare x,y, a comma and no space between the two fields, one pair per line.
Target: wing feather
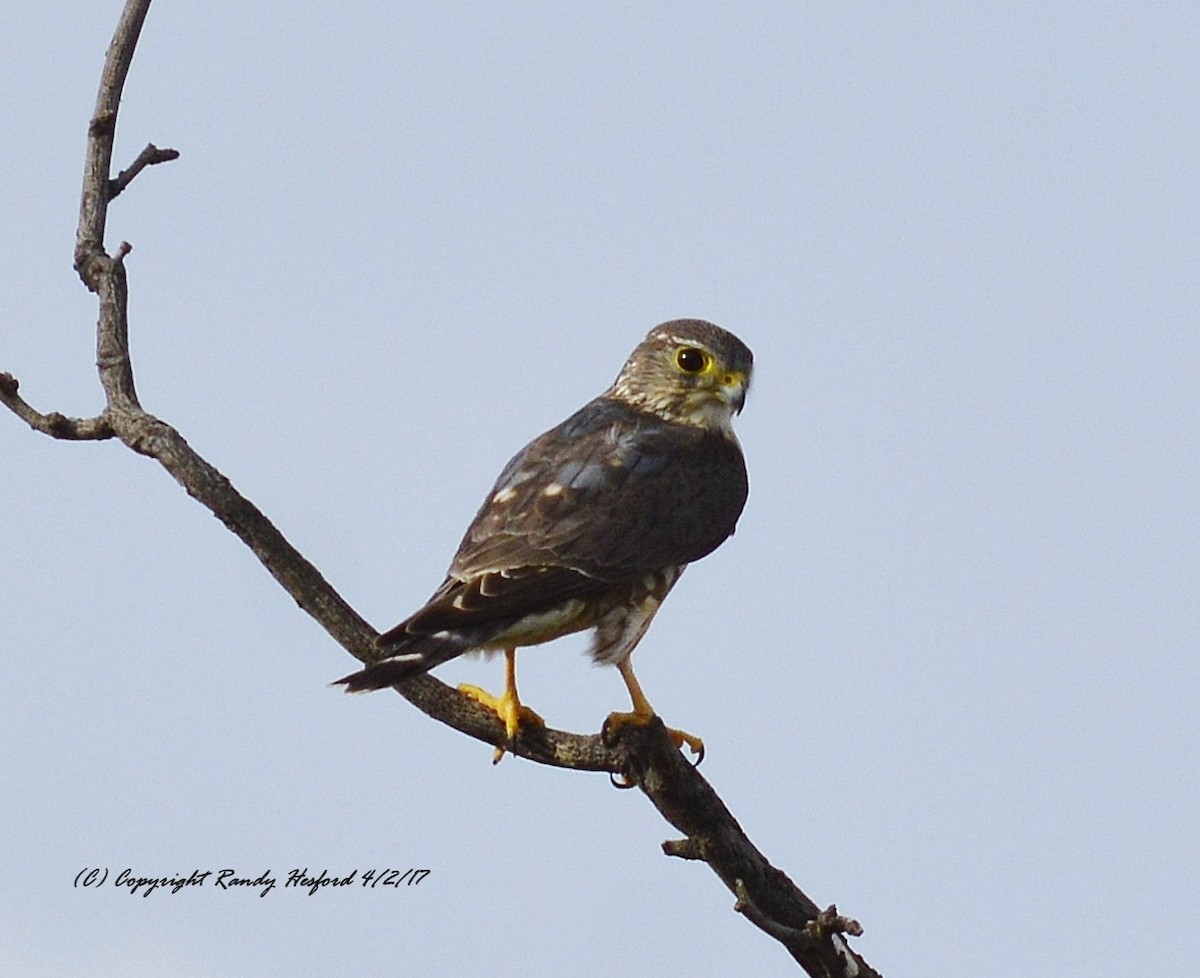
593,504
609,493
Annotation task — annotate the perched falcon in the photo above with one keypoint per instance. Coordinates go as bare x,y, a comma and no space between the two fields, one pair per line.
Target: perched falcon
591,524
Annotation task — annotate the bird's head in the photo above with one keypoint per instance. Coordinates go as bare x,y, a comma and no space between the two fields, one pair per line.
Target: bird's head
687,371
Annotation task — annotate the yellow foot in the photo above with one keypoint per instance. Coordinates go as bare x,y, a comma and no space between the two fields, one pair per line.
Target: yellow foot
508,708
616,721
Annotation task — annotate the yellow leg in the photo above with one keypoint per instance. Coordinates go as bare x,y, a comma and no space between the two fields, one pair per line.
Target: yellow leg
643,713
508,706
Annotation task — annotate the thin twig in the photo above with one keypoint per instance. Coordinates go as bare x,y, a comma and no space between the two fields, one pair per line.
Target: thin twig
53,424
150,156
93,201
790,937
820,937
684,849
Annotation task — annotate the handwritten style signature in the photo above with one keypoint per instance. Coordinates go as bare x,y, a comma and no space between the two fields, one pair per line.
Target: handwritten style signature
230,879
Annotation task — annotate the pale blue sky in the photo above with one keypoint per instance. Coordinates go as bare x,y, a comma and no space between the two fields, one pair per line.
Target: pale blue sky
947,669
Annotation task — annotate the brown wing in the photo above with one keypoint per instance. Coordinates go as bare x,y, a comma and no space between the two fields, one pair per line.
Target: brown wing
610,493
596,502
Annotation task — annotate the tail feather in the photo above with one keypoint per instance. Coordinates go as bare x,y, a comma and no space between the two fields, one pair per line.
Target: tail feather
404,661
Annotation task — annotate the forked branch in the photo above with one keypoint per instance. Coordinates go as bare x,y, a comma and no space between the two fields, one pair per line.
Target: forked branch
642,756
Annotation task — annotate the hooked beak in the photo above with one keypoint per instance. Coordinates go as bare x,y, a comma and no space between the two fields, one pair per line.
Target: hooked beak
733,390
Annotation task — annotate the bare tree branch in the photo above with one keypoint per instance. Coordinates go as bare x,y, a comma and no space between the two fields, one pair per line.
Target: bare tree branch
644,757
147,157
93,203
53,424
825,927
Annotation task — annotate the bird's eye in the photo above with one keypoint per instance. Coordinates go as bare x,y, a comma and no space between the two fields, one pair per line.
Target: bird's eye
691,360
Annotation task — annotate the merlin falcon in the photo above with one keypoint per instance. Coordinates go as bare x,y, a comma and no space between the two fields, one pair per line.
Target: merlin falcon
590,525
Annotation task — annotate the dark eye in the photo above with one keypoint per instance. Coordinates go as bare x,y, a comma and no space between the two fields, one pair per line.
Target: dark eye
691,360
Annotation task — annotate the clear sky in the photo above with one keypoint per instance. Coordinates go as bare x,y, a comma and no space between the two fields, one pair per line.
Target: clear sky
947,669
